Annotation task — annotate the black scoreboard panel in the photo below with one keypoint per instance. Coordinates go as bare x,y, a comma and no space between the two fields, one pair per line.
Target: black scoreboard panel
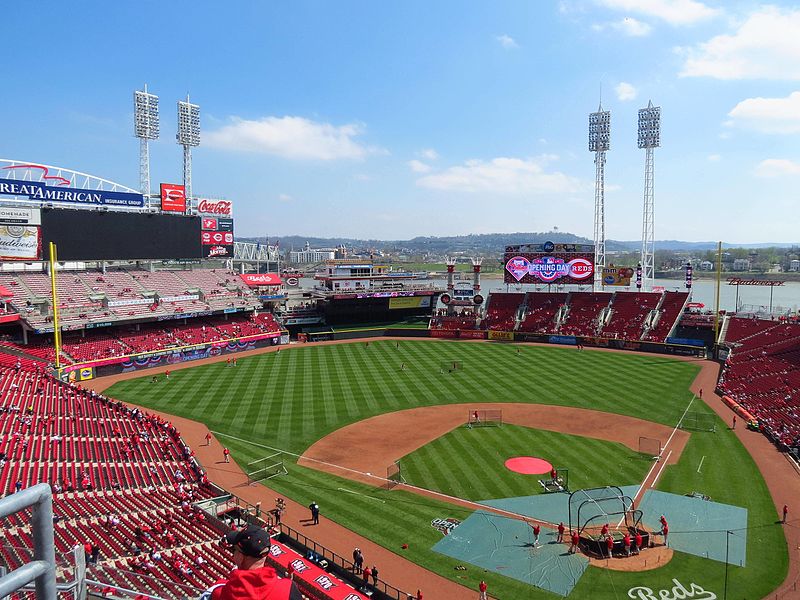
101,235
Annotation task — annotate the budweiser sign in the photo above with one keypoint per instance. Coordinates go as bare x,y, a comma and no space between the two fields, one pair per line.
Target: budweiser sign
764,282
215,207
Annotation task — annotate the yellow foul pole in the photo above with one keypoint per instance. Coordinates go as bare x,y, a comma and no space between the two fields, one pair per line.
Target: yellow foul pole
719,279
56,328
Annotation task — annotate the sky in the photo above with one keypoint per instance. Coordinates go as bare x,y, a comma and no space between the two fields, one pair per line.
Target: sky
392,120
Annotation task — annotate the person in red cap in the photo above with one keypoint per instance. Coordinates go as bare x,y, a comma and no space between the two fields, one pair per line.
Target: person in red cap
208,439
604,530
482,587
227,454
575,539
665,533
560,532
252,578
639,541
785,513
537,529
610,545
626,542
553,474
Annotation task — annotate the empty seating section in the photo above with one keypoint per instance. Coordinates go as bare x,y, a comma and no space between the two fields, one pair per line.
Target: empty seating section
540,311
762,374
584,310
670,311
502,310
148,338
218,289
628,314
92,347
454,322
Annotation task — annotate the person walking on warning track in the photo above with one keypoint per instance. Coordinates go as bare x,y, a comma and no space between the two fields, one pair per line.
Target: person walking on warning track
227,454
734,422
482,587
208,439
785,513
536,530
560,532
575,540
314,508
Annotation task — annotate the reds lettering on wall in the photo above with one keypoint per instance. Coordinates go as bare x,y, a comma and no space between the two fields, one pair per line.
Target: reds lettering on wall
173,197
215,207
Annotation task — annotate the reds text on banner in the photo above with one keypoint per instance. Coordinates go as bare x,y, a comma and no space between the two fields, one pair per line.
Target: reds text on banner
554,268
44,193
20,242
256,279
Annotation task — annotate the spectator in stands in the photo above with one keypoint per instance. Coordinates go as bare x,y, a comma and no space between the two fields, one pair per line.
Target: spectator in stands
252,578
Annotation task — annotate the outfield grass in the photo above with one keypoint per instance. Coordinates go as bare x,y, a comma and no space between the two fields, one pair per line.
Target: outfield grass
469,463
288,400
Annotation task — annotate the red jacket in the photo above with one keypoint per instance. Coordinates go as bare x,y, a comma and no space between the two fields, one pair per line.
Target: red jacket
256,583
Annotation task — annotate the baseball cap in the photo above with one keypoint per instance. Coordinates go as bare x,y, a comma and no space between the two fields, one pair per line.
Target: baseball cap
252,541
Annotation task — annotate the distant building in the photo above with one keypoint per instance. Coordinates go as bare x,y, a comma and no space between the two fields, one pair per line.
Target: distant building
794,265
311,255
741,264
706,265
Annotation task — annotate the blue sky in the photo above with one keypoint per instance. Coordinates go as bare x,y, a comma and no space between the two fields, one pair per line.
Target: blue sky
391,120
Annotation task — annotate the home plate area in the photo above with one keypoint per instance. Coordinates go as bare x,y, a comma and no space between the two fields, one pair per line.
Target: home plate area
505,545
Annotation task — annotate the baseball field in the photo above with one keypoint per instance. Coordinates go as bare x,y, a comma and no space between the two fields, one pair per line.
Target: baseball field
297,400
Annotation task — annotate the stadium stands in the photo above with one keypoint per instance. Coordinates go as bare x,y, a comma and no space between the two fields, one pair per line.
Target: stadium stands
541,309
670,310
502,310
584,313
762,374
125,487
628,313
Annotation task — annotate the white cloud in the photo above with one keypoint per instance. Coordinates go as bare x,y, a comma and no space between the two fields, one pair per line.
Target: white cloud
502,176
625,91
290,137
765,46
714,158
428,154
628,26
674,12
768,115
285,198
777,167
419,166
506,41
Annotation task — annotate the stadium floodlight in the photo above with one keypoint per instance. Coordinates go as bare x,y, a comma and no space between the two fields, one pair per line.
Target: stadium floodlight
188,136
649,139
599,143
145,127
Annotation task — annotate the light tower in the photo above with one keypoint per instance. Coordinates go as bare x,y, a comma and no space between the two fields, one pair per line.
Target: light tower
188,136
599,143
649,139
145,127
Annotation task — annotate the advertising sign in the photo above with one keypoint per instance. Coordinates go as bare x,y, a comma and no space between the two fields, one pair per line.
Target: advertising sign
45,193
218,251
221,208
20,242
256,279
209,224
554,267
173,197
12,215
618,276
224,224
217,237
411,302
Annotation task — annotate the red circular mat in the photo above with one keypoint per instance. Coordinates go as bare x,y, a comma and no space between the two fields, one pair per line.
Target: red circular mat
528,465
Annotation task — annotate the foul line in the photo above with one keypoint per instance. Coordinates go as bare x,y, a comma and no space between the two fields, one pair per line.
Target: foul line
469,503
360,494
700,466
661,470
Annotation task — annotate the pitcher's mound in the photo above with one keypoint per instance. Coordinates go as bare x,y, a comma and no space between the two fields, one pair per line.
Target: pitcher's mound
528,465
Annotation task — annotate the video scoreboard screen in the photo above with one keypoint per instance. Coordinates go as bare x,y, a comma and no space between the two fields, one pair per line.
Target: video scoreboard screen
549,263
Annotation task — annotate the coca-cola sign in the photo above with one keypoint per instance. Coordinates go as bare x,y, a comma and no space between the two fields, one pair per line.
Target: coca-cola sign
215,207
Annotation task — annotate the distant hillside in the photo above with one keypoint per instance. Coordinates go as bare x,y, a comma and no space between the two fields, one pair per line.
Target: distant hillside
483,244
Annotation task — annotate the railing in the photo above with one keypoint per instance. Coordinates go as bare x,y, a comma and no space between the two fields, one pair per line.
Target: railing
42,569
341,566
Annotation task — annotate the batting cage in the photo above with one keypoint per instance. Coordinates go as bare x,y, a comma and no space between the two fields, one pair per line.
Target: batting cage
485,418
597,513
266,468
394,475
696,421
650,446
